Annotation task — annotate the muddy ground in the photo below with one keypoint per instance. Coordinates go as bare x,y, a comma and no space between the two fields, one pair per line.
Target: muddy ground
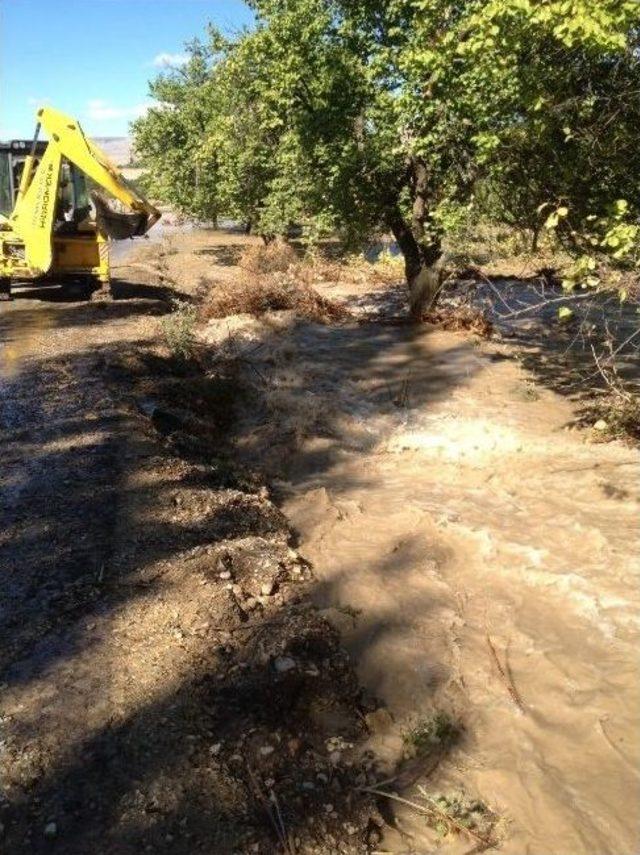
238,591
166,683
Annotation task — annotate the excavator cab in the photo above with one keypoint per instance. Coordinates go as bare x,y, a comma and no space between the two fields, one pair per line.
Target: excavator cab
73,202
61,202
7,197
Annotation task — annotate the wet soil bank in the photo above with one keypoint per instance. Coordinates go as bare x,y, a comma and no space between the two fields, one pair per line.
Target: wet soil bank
166,684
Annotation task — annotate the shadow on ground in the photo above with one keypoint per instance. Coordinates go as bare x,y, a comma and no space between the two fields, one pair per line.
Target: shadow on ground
129,526
128,299
559,351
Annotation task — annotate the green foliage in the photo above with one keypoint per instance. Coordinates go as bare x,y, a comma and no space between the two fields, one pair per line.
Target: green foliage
178,329
435,732
612,238
532,103
358,116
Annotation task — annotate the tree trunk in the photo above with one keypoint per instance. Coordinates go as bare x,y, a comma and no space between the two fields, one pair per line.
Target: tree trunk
535,237
421,248
420,264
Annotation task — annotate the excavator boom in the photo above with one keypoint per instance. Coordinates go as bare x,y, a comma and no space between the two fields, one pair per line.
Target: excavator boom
69,138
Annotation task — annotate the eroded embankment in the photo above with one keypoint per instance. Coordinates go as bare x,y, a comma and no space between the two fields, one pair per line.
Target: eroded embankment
166,683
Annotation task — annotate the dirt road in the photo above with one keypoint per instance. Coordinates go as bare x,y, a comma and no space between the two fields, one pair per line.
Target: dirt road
446,509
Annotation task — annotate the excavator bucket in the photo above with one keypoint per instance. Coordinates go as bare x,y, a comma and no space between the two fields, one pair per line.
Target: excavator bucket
116,223
122,211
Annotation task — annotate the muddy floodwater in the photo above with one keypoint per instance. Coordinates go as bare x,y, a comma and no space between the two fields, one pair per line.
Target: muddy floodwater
446,502
476,515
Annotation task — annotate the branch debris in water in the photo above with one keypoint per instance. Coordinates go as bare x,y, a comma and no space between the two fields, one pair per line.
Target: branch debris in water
505,674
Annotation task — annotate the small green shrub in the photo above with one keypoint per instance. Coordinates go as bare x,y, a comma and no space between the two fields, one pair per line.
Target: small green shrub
178,329
432,733
452,814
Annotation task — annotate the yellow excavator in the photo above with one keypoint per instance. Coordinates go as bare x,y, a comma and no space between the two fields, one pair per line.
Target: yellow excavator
61,201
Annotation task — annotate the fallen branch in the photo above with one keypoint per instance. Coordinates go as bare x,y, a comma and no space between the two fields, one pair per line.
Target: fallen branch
514,313
615,387
289,843
615,748
420,767
590,466
506,679
276,820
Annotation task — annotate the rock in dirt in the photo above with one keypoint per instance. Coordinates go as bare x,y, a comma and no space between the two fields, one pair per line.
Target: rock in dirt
51,830
283,664
341,621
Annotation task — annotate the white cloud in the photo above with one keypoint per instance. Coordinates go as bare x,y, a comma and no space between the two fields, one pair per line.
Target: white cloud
103,111
166,60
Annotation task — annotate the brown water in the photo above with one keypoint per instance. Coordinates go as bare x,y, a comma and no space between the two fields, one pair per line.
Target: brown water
439,493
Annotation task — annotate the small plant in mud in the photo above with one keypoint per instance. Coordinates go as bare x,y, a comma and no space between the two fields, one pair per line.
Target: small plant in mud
178,329
455,814
431,734
458,814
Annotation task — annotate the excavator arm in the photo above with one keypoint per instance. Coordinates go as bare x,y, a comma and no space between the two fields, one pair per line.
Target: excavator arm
33,217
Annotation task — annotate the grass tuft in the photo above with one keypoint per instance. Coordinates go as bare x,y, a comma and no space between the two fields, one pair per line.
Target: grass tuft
433,733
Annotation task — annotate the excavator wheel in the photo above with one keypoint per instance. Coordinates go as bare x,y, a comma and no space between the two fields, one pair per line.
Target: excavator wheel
86,288
5,288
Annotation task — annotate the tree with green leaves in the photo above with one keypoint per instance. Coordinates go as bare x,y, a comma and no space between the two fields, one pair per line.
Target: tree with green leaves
214,145
361,116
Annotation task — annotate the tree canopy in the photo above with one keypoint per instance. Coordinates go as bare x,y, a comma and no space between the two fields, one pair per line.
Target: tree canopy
356,116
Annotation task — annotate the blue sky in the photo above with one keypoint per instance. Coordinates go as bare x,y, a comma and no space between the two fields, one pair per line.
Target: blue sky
93,58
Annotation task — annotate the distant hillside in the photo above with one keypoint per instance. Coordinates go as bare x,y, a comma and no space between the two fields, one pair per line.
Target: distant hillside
117,148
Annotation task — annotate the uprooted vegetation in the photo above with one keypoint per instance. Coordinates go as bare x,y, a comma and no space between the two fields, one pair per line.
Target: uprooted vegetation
276,277
271,292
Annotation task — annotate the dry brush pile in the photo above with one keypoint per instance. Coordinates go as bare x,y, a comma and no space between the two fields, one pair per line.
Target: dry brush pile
270,279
